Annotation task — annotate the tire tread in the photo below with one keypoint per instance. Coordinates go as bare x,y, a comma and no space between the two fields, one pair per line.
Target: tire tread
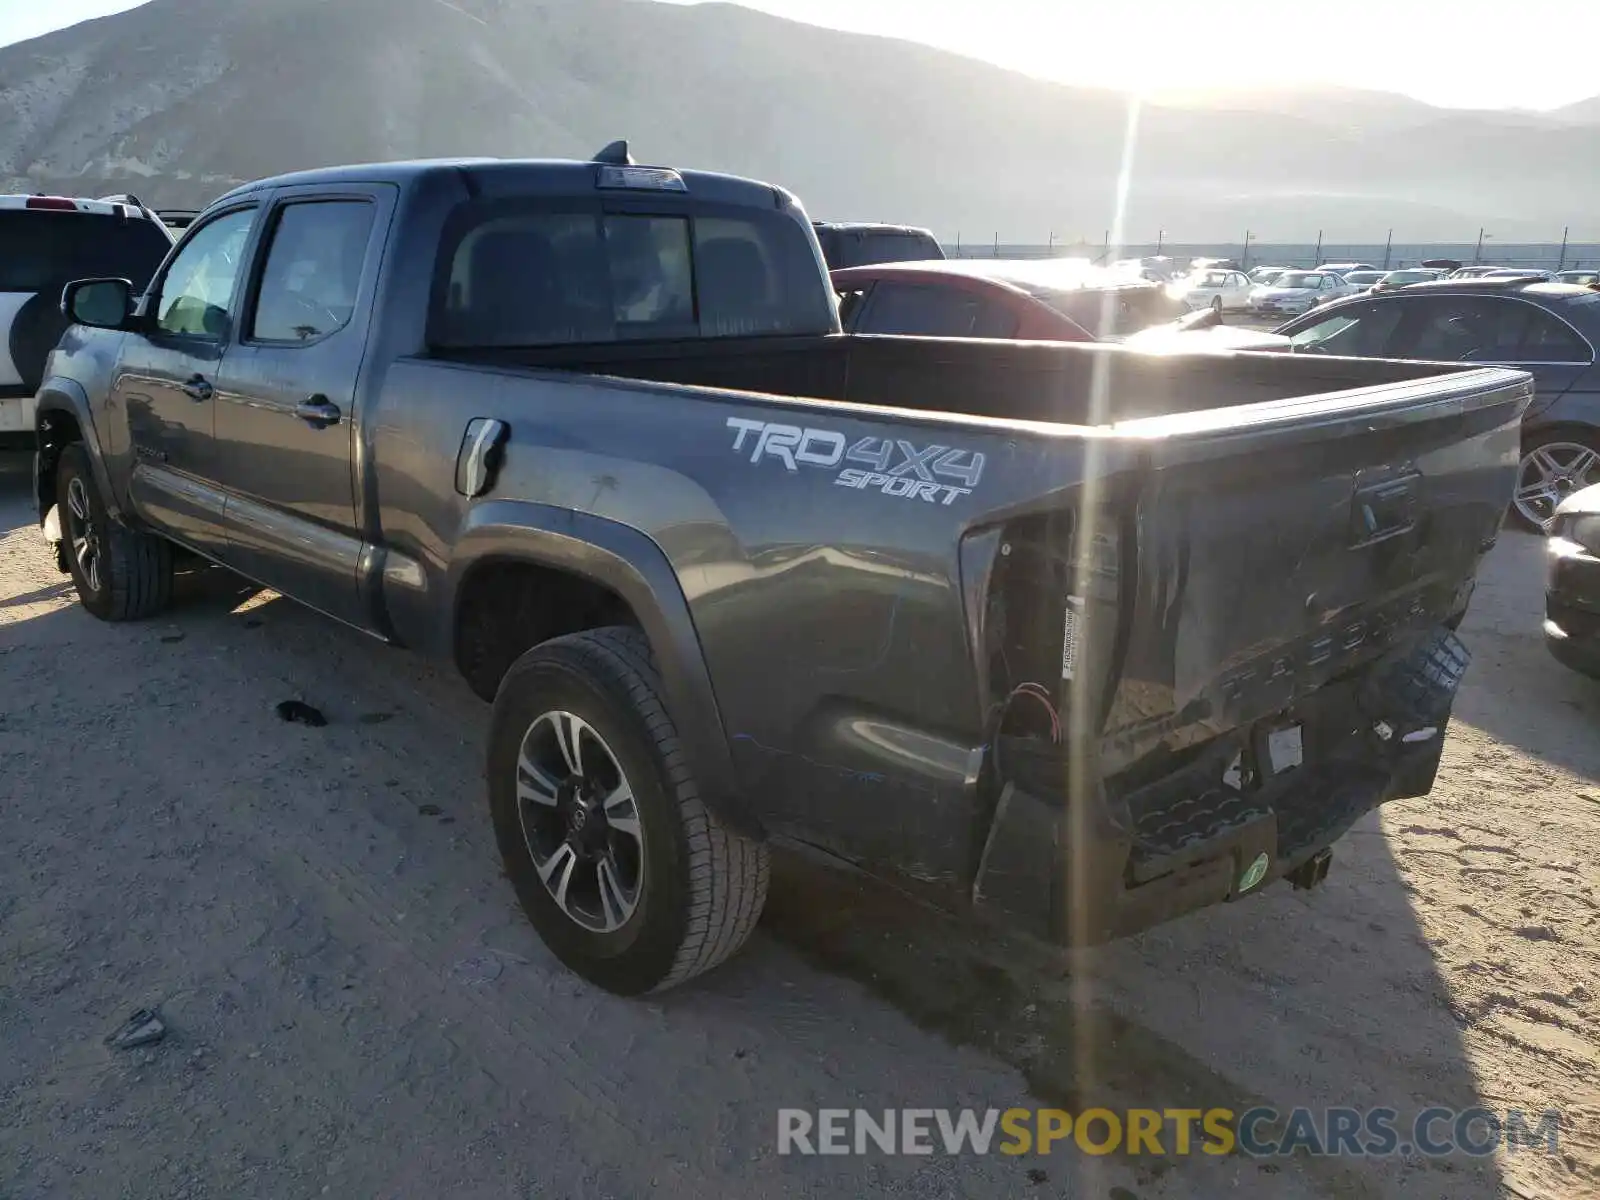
728,873
139,563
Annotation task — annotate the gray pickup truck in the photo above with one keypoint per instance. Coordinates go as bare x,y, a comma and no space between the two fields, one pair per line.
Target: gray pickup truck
1075,636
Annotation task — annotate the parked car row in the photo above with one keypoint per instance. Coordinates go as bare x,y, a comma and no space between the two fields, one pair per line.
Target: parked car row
1548,329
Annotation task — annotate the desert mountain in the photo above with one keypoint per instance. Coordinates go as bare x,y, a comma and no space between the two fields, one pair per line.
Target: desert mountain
178,99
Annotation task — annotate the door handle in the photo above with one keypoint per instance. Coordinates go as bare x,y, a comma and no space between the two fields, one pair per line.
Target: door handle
198,388
318,411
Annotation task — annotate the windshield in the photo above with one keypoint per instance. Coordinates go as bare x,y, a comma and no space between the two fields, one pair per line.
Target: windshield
1408,276
1298,279
1110,312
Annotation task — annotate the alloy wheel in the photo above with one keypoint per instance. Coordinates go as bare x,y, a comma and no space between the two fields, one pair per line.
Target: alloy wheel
580,821
1549,474
84,532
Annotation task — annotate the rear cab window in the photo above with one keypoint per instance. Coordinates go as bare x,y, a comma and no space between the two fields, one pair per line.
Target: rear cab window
42,249
542,272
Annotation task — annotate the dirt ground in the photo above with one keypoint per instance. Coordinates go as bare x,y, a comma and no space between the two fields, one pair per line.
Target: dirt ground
356,1008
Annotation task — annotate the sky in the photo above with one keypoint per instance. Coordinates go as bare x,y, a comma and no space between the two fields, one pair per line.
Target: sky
1458,53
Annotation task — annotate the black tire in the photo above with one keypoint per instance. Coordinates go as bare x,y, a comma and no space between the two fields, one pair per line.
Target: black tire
132,575
701,885
1216,305
1564,438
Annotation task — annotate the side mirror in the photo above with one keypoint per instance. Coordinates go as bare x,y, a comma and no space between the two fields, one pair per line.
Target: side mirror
100,303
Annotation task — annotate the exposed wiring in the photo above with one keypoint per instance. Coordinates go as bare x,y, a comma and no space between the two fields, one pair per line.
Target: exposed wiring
1038,692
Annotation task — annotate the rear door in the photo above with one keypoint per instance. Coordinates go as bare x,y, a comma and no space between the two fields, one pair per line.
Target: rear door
287,429
1502,330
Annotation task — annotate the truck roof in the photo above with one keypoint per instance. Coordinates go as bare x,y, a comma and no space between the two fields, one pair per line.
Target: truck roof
871,227
500,176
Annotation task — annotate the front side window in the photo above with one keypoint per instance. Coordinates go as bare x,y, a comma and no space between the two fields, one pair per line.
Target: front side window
517,274
313,270
1357,331
199,285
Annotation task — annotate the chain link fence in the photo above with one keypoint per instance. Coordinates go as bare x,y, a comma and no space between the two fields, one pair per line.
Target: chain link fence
1548,256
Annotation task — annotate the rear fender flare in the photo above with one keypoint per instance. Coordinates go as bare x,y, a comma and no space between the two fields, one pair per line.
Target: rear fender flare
631,564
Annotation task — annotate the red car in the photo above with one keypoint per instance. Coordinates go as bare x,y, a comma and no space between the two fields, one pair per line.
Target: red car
1056,300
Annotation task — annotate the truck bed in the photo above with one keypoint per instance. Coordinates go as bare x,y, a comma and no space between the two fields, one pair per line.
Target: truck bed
1070,384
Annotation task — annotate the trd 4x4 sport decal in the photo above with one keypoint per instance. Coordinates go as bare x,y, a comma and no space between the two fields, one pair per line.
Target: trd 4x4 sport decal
892,466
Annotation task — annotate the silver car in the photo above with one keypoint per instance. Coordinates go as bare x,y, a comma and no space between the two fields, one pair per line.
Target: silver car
1295,292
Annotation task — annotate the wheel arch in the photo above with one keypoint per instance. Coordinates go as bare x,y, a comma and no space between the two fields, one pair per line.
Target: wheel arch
62,416
604,558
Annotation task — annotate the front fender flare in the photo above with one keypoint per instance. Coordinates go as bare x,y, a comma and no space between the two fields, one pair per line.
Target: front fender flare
58,396
631,564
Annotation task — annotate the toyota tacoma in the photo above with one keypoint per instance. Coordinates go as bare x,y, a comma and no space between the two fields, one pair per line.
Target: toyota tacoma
1075,636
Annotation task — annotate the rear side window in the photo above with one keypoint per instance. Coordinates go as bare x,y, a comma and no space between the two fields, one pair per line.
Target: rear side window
519,274
1488,329
918,310
313,270
1547,339
41,250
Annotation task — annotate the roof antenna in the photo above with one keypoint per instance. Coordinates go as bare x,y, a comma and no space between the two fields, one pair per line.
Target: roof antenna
616,154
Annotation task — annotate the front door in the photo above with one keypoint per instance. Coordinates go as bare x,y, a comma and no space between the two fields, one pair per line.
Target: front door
167,378
286,432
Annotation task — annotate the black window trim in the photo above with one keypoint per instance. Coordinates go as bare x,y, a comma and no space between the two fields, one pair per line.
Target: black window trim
149,311
262,250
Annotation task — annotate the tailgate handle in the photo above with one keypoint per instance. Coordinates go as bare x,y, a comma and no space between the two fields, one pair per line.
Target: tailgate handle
1383,510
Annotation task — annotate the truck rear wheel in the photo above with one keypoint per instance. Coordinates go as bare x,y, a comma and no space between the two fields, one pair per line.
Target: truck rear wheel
628,878
121,574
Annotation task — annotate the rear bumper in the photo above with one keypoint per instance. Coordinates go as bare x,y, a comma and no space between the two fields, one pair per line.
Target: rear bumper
1572,606
1115,864
16,411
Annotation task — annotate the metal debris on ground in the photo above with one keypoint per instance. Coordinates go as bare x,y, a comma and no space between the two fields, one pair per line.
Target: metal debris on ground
141,1029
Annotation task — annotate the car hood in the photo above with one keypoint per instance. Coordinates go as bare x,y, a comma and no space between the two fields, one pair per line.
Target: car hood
1586,501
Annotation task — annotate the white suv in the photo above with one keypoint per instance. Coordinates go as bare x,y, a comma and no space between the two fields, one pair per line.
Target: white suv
45,243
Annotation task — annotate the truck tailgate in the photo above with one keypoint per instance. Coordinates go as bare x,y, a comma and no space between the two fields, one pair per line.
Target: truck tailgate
1277,547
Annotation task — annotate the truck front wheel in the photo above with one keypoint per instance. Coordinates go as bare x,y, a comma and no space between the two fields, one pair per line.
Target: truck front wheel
626,875
121,574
